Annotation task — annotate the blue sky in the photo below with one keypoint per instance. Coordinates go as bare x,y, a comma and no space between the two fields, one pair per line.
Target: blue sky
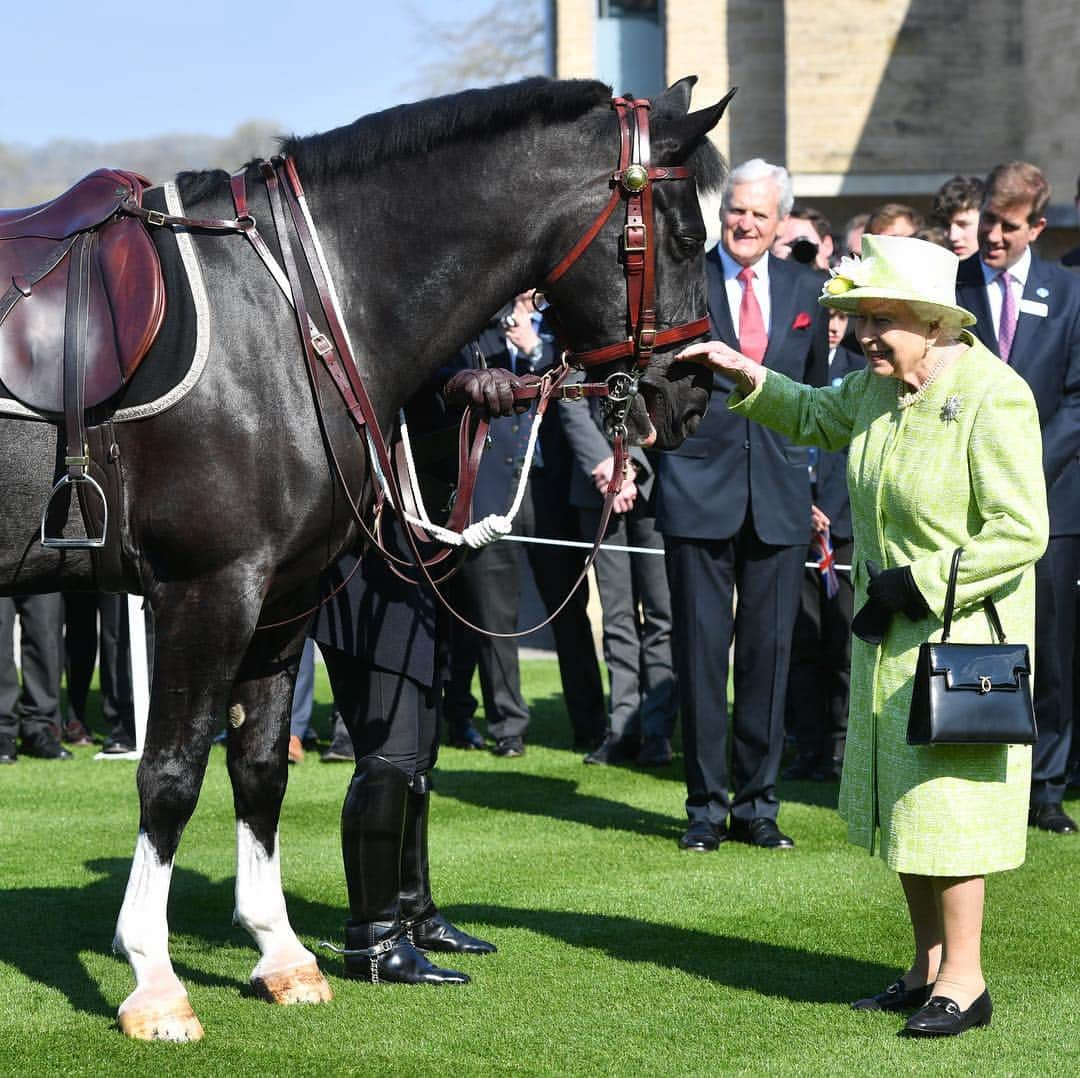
83,70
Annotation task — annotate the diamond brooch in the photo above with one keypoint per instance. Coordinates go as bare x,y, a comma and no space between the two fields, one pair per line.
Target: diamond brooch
951,409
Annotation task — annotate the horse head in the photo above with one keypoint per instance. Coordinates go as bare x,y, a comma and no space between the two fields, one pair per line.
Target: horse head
652,310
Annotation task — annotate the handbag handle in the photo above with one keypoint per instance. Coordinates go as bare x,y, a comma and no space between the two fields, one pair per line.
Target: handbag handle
950,600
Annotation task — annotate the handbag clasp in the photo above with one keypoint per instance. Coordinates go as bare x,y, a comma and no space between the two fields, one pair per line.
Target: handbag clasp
985,684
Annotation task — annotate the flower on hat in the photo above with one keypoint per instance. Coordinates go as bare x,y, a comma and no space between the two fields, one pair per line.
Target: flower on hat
849,273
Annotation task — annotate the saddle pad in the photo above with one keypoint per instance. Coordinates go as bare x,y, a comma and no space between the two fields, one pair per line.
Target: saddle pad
175,361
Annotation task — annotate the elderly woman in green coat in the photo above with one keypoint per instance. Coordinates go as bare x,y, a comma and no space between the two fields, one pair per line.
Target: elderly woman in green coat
945,452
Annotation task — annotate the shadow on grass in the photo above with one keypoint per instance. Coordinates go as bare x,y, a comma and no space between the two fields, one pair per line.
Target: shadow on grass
753,965
36,943
551,798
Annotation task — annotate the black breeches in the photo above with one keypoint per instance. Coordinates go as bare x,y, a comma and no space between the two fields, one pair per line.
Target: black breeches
387,714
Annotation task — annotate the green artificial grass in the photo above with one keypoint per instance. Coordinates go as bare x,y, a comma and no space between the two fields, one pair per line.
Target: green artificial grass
618,954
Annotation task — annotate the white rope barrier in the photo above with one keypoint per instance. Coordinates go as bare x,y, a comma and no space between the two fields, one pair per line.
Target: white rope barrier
623,549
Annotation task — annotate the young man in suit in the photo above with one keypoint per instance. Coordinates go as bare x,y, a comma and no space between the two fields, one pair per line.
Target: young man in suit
734,510
488,585
634,599
1028,311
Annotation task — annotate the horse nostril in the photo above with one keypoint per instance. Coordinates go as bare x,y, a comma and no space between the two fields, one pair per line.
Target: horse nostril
692,424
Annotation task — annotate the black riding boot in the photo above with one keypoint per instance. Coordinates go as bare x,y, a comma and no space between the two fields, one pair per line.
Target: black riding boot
428,929
371,834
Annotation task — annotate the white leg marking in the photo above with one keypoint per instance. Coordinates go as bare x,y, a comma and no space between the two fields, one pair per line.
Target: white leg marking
142,929
158,1009
287,970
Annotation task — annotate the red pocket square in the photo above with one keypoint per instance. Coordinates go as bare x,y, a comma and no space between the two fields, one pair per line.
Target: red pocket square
802,321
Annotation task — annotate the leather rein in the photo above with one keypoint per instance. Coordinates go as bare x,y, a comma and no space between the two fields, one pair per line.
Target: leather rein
632,182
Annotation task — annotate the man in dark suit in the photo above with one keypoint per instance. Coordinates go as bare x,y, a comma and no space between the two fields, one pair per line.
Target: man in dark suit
817,703
488,584
734,509
1028,311
634,598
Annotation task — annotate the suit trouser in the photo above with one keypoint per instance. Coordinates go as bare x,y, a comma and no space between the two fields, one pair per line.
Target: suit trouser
490,583
637,647
1056,574
110,649
303,692
704,576
35,707
820,678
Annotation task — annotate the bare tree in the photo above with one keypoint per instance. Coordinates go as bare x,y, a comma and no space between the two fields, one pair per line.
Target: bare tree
503,43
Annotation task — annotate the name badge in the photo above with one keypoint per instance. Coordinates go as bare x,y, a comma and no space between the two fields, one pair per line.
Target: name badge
1033,306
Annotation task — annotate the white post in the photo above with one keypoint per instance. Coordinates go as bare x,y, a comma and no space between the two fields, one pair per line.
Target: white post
140,668
140,678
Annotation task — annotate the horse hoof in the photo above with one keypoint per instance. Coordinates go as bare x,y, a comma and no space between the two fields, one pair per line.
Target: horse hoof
301,984
176,1022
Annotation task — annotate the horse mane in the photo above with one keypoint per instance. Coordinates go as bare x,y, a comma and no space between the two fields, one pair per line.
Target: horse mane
416,129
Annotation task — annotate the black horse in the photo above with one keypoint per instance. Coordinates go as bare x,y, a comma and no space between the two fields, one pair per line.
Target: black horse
431,215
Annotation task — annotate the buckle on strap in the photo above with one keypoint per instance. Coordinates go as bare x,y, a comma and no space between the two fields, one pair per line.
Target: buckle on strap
321,343
155,217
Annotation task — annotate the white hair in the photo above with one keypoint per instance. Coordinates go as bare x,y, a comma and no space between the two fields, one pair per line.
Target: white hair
758,169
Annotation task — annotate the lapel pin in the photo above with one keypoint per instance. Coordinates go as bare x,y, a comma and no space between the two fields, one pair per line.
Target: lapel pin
1042,293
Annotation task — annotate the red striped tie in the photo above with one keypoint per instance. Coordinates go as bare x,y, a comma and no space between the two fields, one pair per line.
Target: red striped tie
753,340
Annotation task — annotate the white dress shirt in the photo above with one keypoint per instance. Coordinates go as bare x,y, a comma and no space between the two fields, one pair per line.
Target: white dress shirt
1019,275
734,287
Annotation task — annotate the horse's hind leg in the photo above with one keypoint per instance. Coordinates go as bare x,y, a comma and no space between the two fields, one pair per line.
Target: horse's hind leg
196,655
258,766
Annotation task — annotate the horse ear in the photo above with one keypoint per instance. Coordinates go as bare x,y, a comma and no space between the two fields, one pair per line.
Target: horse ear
680,134
675,100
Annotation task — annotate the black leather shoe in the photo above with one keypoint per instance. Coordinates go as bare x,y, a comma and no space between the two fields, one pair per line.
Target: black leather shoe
8,753
466,736
509,747
118,742
614,750
941,1017
761,832
655,752
1052,817
438,934
703,837
895,998
45,747
391,959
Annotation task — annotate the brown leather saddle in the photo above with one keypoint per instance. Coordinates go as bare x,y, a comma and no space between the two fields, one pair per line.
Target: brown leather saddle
84,302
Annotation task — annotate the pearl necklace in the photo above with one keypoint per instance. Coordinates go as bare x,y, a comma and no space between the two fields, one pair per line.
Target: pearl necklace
906,398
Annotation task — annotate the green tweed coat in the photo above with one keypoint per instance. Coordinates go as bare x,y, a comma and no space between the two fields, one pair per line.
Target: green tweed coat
923,484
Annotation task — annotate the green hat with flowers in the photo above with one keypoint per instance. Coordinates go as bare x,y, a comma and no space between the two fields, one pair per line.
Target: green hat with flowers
896,267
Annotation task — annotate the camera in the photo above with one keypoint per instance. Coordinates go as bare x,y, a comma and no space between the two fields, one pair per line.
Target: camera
504,317
803,250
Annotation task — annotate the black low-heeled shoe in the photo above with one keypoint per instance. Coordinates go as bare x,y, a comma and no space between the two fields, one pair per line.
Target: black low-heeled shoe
895,998
941,1017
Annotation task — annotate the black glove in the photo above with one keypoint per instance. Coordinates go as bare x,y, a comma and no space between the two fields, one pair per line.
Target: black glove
890,591
872,622
489,388
896,590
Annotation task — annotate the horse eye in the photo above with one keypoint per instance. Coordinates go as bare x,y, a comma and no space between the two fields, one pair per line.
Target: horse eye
690,244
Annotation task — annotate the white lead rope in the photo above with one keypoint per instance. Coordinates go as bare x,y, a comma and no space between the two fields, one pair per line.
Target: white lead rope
494,526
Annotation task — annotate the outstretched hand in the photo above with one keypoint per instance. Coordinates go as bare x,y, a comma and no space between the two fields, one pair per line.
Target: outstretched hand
490,389
720,357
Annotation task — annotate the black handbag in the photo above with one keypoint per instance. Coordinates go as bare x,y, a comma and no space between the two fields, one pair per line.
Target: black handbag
971,694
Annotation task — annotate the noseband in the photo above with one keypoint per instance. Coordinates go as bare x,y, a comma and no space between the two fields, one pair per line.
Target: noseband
633,182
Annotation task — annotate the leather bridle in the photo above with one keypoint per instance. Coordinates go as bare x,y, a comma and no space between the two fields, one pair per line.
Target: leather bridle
633,182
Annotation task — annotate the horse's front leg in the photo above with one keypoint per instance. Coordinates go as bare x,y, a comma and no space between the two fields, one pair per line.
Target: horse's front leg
259,709
201,633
